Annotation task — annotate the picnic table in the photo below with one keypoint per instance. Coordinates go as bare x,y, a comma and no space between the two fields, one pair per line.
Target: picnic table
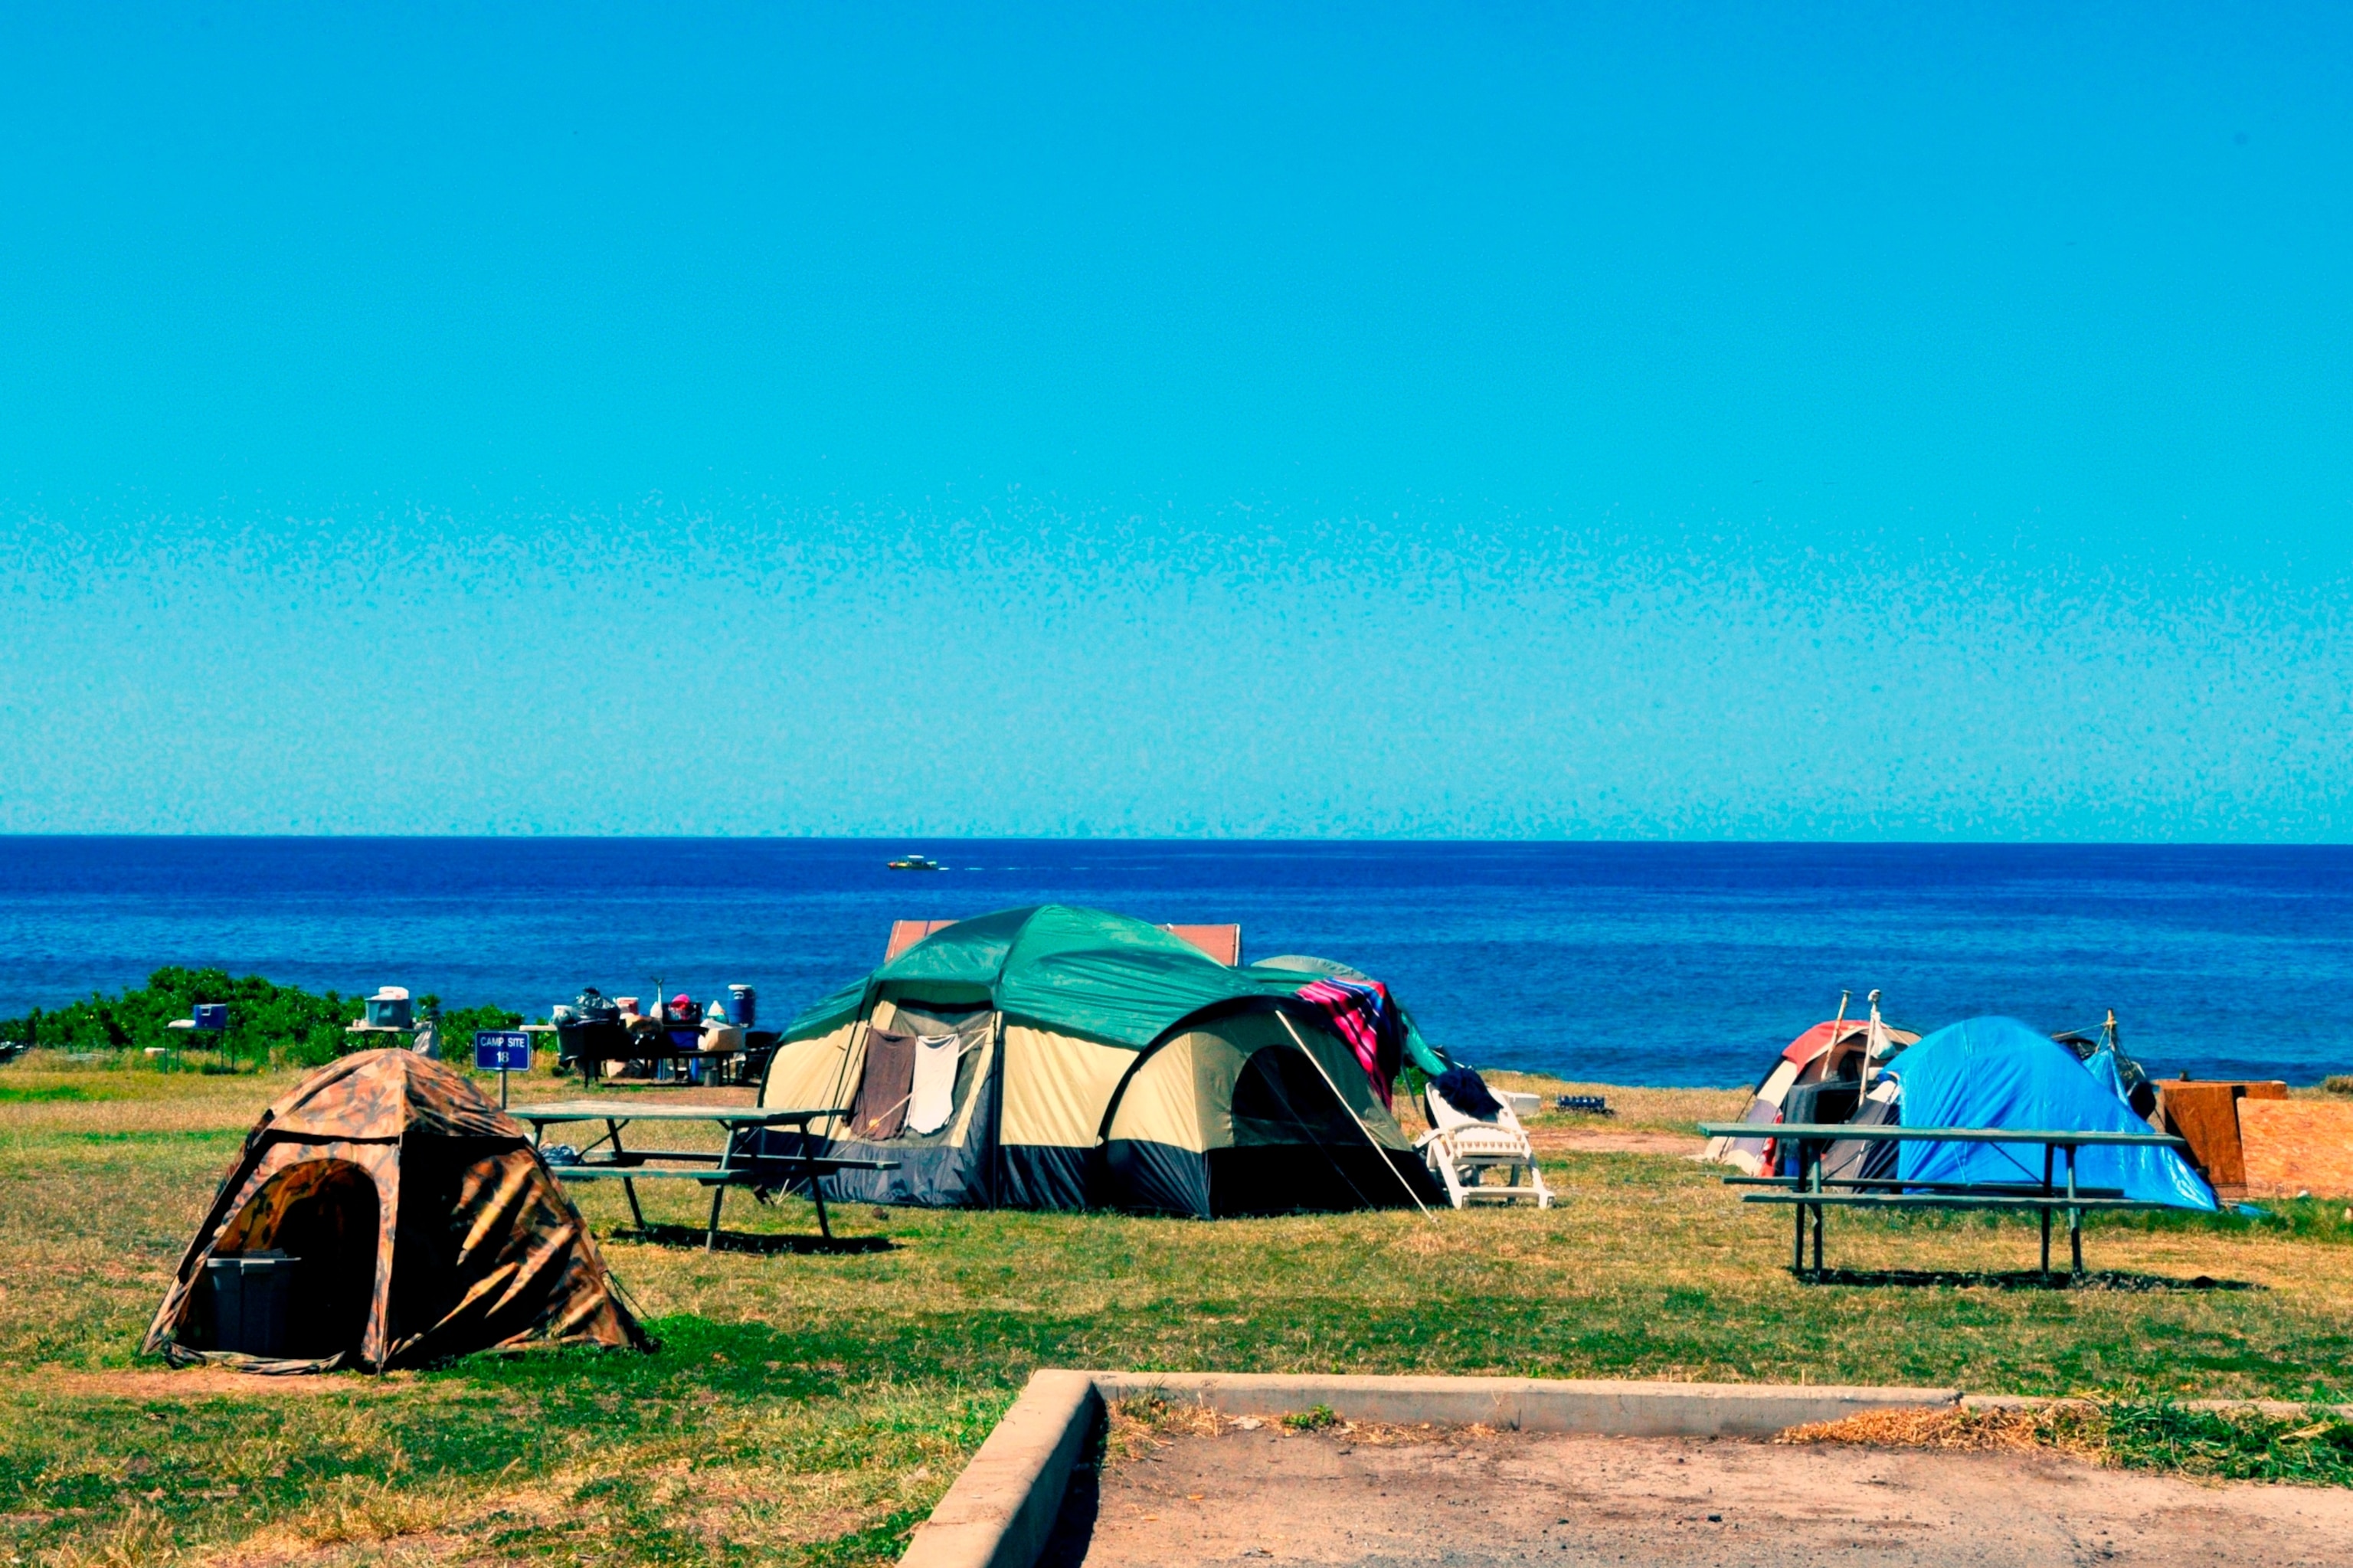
1810,1192
718,1170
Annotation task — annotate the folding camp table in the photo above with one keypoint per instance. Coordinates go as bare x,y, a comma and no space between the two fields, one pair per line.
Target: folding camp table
716,1168
1810,1192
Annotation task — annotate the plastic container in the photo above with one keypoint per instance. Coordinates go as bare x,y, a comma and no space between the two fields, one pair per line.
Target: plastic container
742,1006
252,1300
389,1009
598,1041
212,1015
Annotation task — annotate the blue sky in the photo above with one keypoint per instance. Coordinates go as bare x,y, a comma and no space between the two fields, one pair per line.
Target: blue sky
1703,421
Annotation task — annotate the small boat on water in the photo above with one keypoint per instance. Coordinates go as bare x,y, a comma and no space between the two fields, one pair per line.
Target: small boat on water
916,862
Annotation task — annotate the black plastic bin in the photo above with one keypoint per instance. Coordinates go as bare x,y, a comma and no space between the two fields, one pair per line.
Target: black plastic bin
591,1040
252,1301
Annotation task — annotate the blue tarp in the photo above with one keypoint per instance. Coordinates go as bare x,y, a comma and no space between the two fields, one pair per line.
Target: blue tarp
1997,1072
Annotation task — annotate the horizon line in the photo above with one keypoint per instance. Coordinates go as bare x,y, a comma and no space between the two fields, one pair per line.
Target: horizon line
919,839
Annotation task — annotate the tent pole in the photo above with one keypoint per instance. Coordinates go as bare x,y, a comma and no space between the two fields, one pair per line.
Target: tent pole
1871,1039
1838,1031
864,1020
1829,1060
1368,1132
834,1126
994,1164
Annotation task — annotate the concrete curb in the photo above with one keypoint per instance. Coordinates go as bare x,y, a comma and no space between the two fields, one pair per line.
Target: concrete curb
1000,1511
1605,1406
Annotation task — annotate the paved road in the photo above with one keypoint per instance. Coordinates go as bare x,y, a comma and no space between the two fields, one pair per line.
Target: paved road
1261,1497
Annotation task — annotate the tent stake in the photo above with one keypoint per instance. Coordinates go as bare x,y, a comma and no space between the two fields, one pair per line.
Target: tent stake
1368,1132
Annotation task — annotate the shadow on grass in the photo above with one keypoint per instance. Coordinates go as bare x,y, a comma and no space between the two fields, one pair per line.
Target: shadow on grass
2018,1279
740,1240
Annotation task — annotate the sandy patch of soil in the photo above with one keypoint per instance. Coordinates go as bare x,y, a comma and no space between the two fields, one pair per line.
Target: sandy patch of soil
1474,1497
212,1382
1592,1140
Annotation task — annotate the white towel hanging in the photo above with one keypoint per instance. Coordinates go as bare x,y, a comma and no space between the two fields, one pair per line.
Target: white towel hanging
932,1101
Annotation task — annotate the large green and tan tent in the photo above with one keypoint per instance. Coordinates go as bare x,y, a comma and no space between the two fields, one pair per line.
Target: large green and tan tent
1060,1058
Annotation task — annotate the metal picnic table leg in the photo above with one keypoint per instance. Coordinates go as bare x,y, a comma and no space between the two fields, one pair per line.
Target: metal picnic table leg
1818,1149
718,1188
2074,1217
817,1196
1797,1240
612,1131
2046,1209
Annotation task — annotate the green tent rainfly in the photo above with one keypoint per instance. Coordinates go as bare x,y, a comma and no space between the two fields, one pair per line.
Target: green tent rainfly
1060,1057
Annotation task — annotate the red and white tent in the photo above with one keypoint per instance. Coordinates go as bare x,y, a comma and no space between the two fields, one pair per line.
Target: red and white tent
1848,1048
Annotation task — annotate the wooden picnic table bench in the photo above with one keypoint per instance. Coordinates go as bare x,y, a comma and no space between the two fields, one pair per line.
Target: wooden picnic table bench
1809,1191
718,1168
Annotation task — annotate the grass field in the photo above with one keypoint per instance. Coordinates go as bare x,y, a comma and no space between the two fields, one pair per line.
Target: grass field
809,1408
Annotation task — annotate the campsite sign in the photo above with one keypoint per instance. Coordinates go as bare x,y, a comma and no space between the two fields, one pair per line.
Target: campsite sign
502,1051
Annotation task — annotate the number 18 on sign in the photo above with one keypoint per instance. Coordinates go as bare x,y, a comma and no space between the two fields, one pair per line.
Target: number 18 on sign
502,1051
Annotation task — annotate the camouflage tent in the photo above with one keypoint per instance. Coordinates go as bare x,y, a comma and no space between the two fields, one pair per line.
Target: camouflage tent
403,1216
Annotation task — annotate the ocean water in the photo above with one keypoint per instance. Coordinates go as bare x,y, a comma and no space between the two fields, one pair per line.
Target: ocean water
1618,962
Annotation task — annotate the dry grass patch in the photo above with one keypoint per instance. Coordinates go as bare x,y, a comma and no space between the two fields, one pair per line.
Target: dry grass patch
2070,1428
2312,1448
1137,1424
217,1383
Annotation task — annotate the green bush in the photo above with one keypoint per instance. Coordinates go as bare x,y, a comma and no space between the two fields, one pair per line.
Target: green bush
457,1025
267,1023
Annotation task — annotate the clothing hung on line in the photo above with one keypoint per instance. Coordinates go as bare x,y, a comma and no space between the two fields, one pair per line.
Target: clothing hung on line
881,1109
931,1097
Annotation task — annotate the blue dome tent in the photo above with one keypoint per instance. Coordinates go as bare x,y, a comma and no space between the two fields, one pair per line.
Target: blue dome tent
1996,1072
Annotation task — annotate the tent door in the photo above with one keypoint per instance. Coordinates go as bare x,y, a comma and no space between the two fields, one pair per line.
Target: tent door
293,1275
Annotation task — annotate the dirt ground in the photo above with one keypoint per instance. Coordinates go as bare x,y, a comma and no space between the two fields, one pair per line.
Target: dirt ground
1586,1140
1250,1497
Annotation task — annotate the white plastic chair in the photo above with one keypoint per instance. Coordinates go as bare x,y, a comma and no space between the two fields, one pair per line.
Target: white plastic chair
1461,1150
